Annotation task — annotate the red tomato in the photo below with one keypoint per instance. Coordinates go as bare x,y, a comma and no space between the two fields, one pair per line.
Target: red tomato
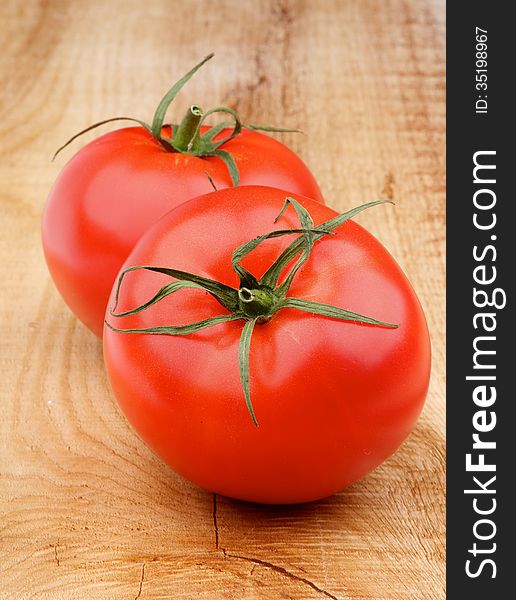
333,399
115,187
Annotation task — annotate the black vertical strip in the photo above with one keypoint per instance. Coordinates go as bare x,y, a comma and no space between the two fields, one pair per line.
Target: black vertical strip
486,540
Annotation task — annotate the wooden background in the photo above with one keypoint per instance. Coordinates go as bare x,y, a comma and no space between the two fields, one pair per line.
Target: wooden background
87,512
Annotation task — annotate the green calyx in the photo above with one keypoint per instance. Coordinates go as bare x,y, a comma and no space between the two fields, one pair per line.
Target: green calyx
254,301
186,137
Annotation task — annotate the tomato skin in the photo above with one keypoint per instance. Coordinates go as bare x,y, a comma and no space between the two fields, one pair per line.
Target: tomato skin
333,399
117,186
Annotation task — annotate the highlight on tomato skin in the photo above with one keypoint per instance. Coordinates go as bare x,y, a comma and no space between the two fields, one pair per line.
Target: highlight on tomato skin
332,397
115,187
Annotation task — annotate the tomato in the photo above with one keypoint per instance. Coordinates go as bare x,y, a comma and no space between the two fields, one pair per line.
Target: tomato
332,398
115,187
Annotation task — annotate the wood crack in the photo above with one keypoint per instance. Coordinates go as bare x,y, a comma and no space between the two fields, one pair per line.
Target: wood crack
281,571
58,562
142,577
215,525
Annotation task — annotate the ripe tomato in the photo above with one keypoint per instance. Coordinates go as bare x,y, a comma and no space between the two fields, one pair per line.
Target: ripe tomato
332,399
114,188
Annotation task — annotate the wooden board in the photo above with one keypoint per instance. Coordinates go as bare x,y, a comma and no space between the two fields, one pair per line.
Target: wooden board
87,511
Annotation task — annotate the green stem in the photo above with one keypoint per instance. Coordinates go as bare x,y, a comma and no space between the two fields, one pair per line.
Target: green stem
188,131
258,302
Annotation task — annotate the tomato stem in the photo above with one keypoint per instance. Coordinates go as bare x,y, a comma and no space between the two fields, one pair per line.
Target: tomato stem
188,131
257,302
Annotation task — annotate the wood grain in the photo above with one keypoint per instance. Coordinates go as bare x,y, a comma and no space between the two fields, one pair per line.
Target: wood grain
87,512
